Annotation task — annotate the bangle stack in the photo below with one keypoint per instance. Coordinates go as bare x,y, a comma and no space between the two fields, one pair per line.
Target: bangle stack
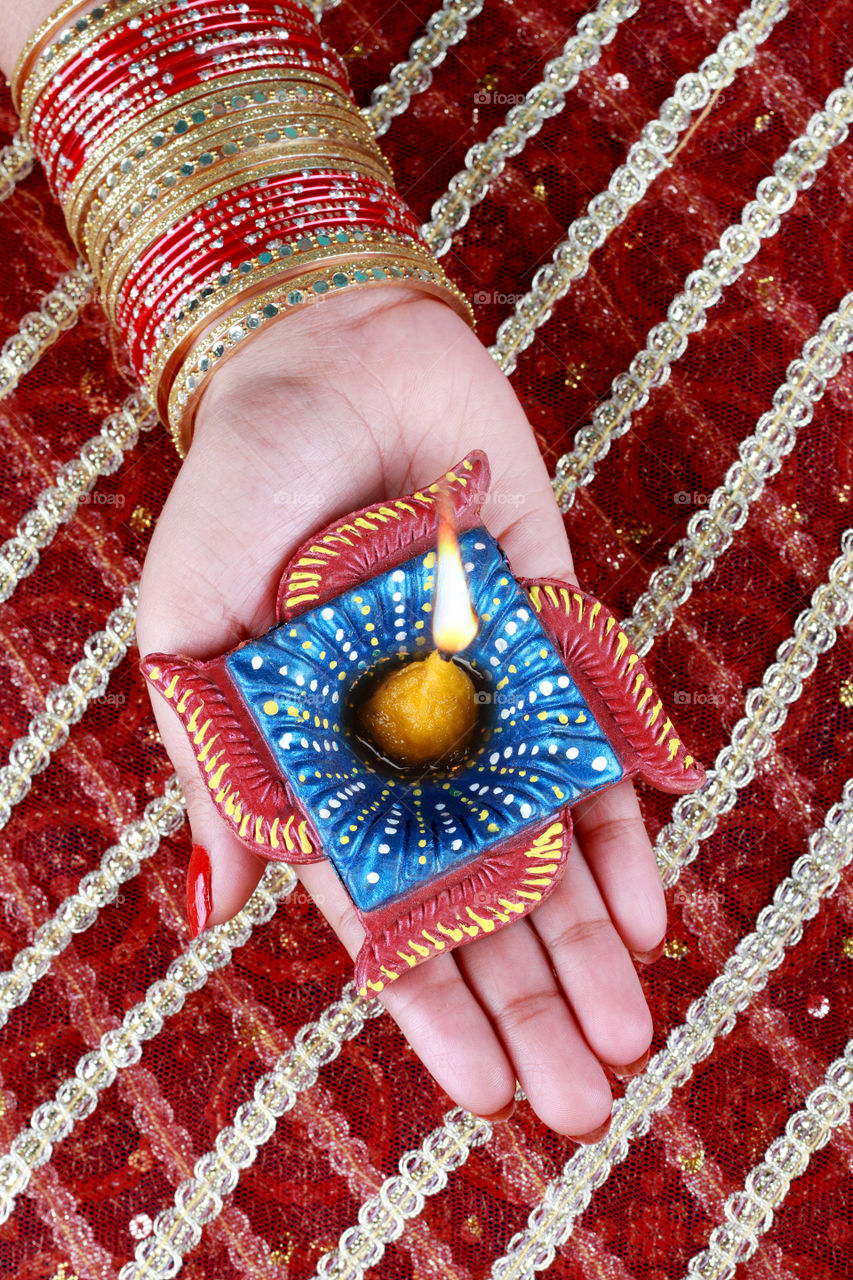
215,173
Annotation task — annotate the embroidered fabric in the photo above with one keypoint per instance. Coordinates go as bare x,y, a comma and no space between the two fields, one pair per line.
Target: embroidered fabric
649,207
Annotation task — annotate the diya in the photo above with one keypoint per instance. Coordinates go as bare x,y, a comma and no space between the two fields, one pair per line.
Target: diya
439,788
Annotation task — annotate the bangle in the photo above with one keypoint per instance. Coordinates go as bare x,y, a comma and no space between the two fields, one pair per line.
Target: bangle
112,266
156,303
168,172
222,297
216,173
152,128
282,300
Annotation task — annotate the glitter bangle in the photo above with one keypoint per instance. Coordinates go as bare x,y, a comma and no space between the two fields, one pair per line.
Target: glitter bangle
282,300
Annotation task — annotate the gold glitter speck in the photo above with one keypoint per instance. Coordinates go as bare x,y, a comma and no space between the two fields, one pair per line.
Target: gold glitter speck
488,82
675,949
693,1162
140,519
847,948
474,1226
761,122
540,190
574,374
63,1273
845,692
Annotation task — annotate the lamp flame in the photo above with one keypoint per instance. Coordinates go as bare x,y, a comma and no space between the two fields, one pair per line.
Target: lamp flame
454,622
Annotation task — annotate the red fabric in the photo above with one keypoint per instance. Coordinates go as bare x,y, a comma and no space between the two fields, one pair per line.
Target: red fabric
375,1101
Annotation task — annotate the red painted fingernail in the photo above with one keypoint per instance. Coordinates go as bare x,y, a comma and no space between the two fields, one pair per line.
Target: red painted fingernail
649,957
633,1068
199,895
595,1135
503,1114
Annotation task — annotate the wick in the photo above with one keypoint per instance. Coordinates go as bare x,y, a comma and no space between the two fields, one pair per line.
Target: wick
446,656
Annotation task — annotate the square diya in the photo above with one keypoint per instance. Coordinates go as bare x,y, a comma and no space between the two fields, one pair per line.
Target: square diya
431,856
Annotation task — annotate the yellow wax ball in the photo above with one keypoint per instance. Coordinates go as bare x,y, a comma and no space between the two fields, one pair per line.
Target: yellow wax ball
422,712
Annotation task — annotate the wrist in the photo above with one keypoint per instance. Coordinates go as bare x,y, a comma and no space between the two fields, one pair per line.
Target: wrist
325,349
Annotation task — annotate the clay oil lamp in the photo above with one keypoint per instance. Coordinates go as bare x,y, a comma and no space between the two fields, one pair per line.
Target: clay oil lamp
423,720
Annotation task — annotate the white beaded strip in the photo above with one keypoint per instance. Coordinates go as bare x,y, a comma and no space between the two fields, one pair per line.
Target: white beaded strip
446,27
16,164
137,841
101,455
38,330
78,1095
710,531
695,817
797,899
485,160
793,172
382,1217
65,704
647,158
749,1212
199,1199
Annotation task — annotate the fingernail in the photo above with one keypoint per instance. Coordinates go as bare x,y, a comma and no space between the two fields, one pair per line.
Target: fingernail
199,895
595,1135
633,1068
649,957
503,1114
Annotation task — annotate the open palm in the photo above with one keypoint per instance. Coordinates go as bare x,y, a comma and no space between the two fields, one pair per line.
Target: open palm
360,398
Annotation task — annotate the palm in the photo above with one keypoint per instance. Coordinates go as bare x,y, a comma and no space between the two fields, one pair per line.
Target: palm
350,403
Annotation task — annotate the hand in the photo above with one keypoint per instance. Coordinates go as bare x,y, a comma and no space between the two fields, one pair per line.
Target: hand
357,399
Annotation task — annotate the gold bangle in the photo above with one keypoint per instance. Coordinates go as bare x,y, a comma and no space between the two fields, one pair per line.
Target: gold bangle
178,331
167,170
212,99
113,268
280,300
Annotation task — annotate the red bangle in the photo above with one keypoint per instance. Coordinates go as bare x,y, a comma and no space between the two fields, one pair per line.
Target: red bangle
147,337
73,150
288,56
136,298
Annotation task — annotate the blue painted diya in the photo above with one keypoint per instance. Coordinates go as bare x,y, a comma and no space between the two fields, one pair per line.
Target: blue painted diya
434,857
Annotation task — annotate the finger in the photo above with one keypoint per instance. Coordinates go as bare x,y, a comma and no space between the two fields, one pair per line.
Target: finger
595,970
563,1080
433,1008
223,873
615,842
